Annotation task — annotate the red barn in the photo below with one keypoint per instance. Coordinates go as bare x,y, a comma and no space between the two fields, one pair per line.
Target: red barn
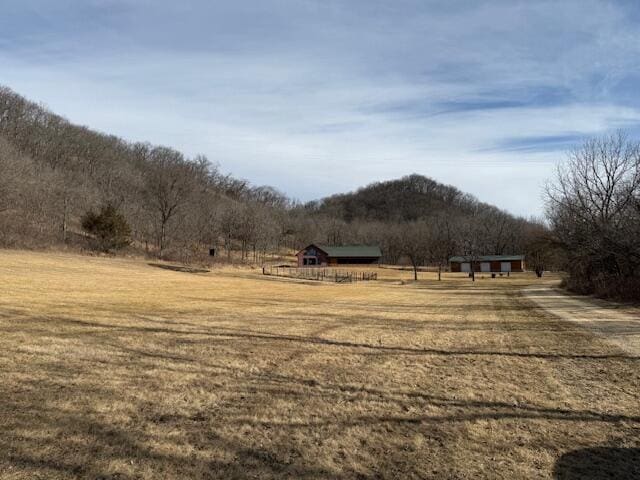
324,255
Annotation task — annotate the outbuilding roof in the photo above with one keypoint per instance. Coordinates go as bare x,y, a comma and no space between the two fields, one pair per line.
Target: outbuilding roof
352,251
349,251
487,258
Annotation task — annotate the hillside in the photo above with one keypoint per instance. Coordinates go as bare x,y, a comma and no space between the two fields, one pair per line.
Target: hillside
55,172
406,199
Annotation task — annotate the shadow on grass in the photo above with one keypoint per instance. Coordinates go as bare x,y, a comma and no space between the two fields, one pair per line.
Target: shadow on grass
61,443
479,409
179,268
47,435
224,333
611,463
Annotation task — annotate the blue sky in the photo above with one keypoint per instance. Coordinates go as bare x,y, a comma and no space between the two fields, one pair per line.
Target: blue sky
318,97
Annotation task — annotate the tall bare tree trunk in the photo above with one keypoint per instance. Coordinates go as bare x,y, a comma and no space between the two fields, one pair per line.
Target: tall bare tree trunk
65,213
161,243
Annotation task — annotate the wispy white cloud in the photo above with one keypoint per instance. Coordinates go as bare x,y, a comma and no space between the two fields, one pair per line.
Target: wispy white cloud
318,97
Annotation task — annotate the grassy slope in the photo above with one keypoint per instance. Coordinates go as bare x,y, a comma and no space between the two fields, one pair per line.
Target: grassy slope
118,369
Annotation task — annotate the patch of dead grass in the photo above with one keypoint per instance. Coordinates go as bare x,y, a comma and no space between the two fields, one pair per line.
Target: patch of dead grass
116,369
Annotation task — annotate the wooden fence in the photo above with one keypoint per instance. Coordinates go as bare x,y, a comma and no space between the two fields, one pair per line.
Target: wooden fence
320,274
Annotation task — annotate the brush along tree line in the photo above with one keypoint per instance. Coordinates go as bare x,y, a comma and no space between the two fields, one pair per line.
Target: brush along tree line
55,173
594,212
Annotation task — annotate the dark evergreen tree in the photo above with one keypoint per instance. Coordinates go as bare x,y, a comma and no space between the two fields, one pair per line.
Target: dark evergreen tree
108,228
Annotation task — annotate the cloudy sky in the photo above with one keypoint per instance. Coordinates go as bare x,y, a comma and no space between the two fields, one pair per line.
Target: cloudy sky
321,96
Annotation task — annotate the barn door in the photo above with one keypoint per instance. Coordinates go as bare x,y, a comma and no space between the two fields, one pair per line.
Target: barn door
505,266
465,267
485,267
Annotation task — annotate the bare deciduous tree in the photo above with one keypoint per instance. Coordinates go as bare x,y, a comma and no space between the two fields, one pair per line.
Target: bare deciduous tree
415,244
593,209
169,183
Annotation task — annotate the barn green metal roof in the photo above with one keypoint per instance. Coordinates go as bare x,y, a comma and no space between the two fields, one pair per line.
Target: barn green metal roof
365,251
487,258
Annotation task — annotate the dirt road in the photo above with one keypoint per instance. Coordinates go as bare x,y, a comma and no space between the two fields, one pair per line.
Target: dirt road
616,324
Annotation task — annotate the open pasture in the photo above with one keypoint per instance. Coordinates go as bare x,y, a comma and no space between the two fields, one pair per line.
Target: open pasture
118,369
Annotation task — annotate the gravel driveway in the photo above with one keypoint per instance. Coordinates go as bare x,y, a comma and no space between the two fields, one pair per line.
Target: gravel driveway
619,325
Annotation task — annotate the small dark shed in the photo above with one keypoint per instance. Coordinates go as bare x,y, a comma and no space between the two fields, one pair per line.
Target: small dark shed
324,255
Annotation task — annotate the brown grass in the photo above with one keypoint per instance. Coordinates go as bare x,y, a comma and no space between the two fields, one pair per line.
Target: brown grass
116,369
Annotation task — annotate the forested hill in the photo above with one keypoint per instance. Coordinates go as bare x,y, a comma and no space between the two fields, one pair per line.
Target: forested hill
409,198
55,173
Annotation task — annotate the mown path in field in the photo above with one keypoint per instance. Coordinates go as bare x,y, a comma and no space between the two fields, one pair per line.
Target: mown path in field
617,326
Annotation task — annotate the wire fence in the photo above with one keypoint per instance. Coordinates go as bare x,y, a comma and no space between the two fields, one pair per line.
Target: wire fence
320,274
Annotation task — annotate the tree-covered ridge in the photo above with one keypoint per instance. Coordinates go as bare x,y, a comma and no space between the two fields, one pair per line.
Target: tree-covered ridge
54,172
406,199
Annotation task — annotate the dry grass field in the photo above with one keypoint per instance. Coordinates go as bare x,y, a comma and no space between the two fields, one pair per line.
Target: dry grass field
117,369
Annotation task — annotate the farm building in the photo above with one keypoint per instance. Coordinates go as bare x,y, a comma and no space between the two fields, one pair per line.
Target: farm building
348,254
488,263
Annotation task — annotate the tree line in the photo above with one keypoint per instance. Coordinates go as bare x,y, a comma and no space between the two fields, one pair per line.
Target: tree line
64,184
593,206
56,173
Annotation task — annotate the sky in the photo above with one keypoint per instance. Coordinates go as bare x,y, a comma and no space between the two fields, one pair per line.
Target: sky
316,97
